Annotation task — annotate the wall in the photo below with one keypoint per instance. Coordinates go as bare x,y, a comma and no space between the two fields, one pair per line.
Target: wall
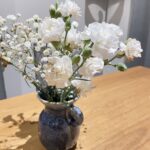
139,28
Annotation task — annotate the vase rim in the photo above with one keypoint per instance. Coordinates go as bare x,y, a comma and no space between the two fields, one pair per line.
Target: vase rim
56,104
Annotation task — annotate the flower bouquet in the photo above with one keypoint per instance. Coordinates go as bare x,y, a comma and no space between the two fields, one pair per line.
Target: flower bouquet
61,61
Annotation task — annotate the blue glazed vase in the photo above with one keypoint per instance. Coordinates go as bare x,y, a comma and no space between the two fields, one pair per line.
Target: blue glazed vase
59,125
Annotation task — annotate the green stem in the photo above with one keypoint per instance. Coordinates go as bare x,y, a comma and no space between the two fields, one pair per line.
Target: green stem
66,93
113,58
24,73
73,75
63,94
65,39
81,79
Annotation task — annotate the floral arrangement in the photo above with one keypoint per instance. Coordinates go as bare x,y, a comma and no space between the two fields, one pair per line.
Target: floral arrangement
57,58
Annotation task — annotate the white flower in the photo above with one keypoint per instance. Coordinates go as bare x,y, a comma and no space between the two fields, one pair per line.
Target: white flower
82,86
30,59
116,29
2,21
75,24
36,69
68,8
30,21
20,65
59,71
7,36
11,18
3,44
36,17
73,38
105,38
35,25
132,48
34,40
91,67
51,29
27,44
44,60
4,28
46,52
42,75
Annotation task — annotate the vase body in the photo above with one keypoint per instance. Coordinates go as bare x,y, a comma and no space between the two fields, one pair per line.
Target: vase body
59,126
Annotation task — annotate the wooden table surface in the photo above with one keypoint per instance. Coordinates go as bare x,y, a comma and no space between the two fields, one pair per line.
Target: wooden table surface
117,115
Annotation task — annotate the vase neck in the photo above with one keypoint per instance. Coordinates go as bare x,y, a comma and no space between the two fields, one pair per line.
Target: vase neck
59,112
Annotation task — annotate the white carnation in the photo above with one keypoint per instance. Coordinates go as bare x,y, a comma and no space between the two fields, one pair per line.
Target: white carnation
73,38
59,71
82,86
68,8
51,29
91,67
132,48
105,38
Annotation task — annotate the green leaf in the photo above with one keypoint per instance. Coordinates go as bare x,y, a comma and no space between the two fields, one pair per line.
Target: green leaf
76,59
121,67
65,18
58,14
87,42
56,44
87,53
106,62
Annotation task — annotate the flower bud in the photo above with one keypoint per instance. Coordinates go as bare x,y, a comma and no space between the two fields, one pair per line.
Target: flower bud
121,67
52,12
120,54
68,24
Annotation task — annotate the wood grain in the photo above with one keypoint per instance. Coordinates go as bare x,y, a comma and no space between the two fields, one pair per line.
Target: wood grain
117,115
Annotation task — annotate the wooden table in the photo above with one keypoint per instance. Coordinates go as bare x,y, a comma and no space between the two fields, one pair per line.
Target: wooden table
117,115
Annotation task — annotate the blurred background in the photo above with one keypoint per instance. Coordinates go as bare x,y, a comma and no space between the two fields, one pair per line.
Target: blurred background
133,16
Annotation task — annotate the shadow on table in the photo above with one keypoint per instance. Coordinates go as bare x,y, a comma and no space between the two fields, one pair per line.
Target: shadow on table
28,131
